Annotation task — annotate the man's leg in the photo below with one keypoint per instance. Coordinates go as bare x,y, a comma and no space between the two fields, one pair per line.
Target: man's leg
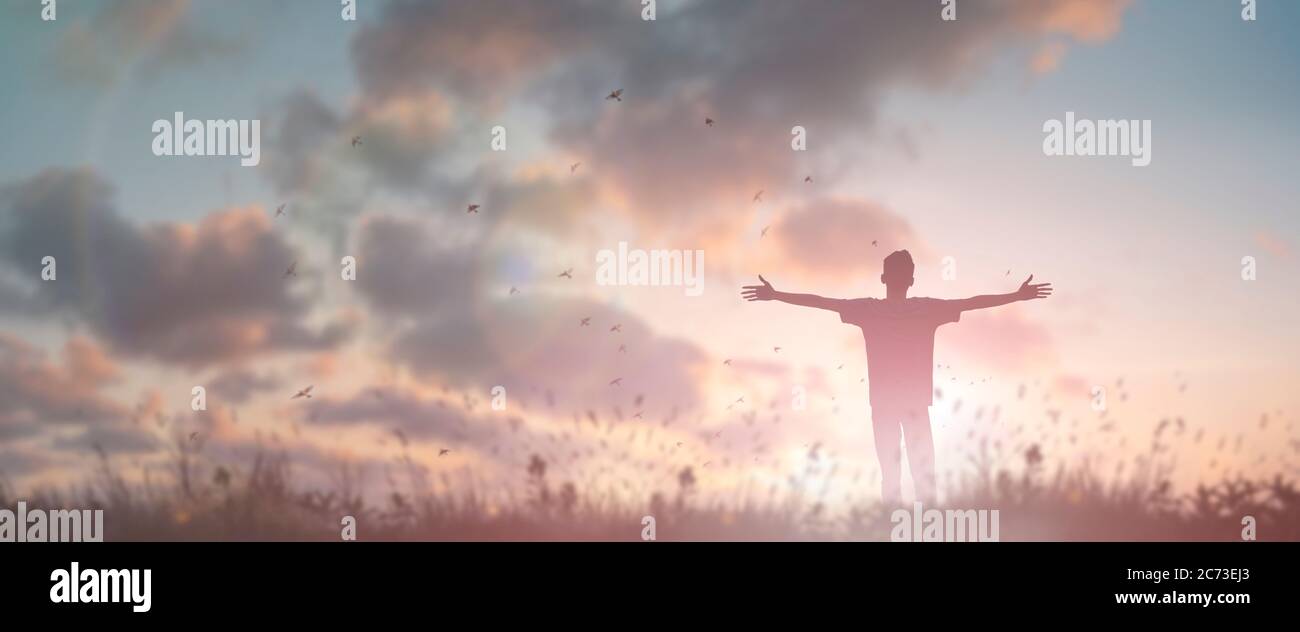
887,431
920,452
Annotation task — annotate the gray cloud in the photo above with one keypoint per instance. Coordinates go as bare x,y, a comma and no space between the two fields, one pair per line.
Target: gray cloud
191,294
35,391
453,328
758,68
237,386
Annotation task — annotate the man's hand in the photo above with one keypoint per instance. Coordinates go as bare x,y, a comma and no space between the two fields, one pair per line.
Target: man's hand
763,292
1038,290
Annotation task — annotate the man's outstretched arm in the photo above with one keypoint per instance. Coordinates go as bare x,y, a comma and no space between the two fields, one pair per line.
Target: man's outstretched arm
1025,293
766,292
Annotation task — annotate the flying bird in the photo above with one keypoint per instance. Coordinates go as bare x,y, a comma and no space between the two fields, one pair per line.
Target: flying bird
194,436
758,197
776,349
306,392
727,362
444,452
586,321
622,348
764,232
618,381
356,140
807,178
708,121
513,290
567,274
873,242
574,167
617,95
293,269
473,208
279,210
616,328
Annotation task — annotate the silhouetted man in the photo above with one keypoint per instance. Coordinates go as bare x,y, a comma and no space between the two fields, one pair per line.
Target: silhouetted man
899,335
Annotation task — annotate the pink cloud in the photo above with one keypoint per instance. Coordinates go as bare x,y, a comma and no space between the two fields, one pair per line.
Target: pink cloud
1002,339
834,237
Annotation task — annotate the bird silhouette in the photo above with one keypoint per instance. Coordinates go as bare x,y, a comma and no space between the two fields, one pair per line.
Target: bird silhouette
356,140
306,392
293,270
758,197
873,242
617,95
622,348
513,290
776,349
708,121
574,167
616,328
444,452
472,208
618,381
567,274
763,233
807,178
727,362
586,321
279,210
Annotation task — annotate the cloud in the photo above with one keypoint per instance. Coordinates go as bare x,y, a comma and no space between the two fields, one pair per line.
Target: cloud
60,406
110,439
1048,57
833,237
237,386
473,48
448,324
1001,339
36,391
192,294
1089,21
18,462
1273,245
428,71
415,416
148,36
300,133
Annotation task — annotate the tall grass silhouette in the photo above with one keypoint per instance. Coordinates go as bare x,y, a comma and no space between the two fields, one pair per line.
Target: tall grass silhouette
258,500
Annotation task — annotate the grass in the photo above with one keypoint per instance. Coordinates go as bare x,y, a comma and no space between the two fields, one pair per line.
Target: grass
259,501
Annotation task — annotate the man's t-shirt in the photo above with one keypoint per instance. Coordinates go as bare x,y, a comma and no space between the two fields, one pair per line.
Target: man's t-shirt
900,346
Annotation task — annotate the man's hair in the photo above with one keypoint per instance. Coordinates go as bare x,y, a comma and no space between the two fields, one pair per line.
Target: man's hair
899,263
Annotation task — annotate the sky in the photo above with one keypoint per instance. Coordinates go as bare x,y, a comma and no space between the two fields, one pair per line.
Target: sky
921,134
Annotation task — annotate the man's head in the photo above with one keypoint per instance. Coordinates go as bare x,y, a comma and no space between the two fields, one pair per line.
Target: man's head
897,276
